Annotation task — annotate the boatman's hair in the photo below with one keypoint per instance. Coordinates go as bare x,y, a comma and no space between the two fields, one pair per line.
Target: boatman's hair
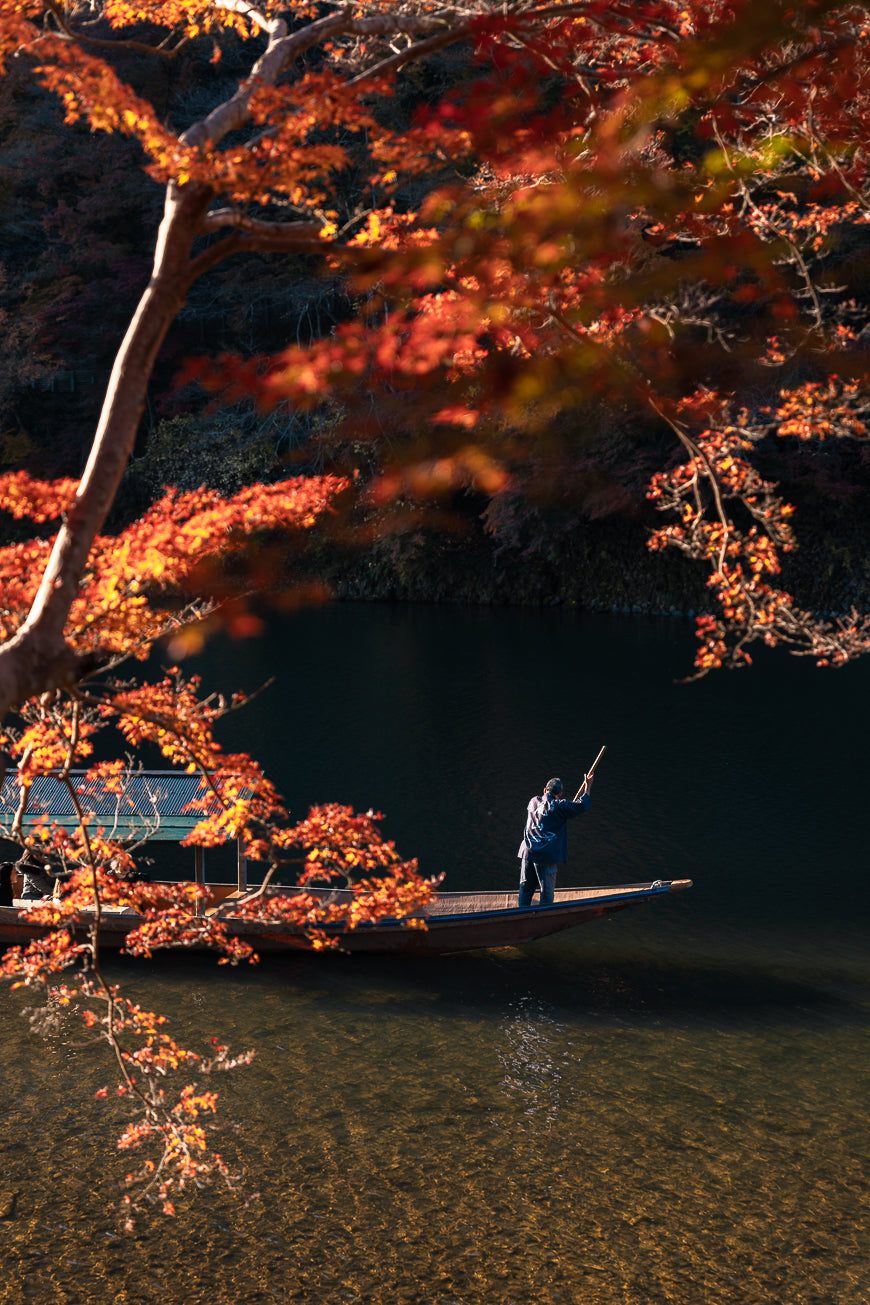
553,786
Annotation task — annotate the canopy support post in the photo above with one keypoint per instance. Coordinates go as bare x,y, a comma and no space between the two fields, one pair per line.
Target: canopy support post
199,874
242,878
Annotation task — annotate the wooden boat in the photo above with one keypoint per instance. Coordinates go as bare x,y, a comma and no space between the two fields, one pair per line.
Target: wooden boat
454,921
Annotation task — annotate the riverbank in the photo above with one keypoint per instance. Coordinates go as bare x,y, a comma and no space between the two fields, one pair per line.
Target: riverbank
595,566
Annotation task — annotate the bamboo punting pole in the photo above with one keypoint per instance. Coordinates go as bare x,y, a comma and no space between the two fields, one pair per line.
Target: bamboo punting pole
586,778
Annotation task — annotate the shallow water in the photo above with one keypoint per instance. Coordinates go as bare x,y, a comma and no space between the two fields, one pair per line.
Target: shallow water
668,1106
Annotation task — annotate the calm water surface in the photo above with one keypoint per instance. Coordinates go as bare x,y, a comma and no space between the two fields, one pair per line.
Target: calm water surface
670,1106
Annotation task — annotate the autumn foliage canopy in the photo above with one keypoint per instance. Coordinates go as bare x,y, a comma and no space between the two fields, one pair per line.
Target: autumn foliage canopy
660,202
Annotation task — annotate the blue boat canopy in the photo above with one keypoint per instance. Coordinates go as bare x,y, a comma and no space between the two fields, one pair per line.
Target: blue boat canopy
151,806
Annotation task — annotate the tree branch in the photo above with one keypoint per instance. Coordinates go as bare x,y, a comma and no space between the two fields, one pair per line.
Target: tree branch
220,218
418,51
695,451
100,43
284,49
254,240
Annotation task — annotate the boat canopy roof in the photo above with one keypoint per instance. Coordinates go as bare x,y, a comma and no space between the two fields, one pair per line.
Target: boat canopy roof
152,804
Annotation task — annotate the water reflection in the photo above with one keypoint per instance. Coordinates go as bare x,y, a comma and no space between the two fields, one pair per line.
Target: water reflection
444,1133
531,1071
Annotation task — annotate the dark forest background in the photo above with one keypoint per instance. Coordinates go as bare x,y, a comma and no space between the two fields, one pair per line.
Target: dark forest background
77,228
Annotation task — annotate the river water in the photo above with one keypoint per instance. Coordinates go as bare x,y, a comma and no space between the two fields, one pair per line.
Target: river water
667,1106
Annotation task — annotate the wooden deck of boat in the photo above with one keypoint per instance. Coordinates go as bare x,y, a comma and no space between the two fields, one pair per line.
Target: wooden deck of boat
474,903
455,921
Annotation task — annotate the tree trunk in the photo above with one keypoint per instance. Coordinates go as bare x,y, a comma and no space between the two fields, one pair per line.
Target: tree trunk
38,658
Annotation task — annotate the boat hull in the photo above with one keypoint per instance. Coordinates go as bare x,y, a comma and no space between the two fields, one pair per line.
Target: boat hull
455,922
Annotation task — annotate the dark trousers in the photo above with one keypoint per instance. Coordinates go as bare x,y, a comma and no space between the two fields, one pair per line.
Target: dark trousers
534,876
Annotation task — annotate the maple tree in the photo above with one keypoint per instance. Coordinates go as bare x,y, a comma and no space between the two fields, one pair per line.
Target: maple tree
675,230
632,198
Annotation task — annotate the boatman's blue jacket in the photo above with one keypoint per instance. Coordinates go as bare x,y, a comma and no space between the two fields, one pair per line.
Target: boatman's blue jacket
546,838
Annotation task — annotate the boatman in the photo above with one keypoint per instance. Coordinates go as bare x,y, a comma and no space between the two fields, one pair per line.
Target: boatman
545,842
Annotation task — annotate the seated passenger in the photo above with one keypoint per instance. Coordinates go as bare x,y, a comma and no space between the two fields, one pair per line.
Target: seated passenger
38,880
